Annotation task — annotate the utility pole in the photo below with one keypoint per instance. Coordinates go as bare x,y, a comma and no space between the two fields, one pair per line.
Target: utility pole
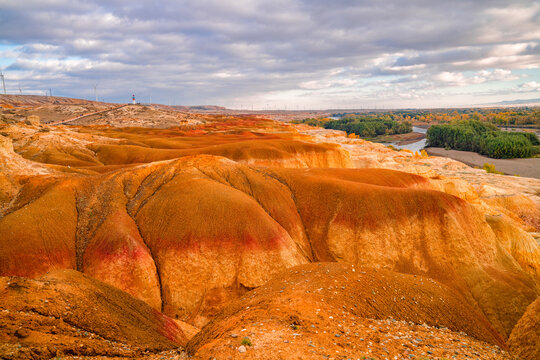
95,92
3,82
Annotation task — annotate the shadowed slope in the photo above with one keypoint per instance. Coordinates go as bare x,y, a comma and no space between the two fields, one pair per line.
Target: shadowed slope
321,308
525,338
67,312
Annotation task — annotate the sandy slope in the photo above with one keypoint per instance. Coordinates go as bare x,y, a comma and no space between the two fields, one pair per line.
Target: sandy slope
66,312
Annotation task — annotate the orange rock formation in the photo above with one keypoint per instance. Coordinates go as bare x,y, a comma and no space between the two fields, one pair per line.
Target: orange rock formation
329,309
190,218
524,338
188,235
66,312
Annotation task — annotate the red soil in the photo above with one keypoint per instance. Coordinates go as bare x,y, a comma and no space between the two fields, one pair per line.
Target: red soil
67,313
189,235
330,310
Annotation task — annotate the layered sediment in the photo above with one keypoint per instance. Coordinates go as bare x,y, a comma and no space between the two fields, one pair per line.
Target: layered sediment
192,222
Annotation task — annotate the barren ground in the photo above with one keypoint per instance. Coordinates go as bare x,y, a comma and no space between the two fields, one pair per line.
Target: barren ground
522,167
164,233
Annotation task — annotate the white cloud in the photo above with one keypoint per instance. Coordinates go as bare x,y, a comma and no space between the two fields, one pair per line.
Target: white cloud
531,86
225,75
212,51
452,78
325,84
482,76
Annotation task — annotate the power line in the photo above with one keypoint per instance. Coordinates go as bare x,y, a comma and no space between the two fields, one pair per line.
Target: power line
3,82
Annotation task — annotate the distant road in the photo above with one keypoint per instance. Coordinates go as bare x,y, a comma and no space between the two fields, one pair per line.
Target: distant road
521,167
86,115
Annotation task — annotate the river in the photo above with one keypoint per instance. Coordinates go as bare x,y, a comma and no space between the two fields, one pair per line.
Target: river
415,146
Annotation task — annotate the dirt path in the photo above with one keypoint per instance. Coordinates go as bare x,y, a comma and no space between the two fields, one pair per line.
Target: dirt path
87,115
521,167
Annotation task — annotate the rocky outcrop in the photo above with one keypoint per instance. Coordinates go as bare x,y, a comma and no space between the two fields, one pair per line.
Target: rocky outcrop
68,313
96,149
519,243
271,152
524,338
189,235
518,207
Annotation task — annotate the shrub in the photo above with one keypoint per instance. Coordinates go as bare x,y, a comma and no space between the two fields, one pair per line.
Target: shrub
506,146
246,341
367,126
490,168
483,138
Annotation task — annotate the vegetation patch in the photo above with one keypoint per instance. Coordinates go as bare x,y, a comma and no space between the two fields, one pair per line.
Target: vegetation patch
483,138
517,117
364,125
246,341
490,168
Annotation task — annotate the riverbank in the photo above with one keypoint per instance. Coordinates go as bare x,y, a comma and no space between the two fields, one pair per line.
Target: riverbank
400,139
522,167
411,139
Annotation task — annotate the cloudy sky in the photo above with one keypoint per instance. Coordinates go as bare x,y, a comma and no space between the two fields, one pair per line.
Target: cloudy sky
280,53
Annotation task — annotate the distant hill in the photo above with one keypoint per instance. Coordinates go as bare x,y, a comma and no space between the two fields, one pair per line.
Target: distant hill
517,102
199,107
36,100
33,100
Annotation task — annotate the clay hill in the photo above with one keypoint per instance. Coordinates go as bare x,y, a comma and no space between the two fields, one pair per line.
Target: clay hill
343,311
524,338
244,227
67,313
33,101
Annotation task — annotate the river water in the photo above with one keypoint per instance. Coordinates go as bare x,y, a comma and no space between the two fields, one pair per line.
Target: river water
415,146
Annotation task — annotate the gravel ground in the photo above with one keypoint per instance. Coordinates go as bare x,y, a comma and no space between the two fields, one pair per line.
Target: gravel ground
521,167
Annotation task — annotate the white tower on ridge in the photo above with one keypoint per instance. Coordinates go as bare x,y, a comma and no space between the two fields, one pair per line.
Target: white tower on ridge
133,99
